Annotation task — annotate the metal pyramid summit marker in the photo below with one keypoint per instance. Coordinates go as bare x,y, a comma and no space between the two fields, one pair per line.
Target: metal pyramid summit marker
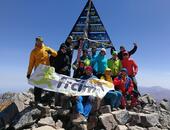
90,26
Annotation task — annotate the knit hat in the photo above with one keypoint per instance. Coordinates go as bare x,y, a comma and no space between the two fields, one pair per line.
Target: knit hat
70,37
89,68
103,49
124,70
114,53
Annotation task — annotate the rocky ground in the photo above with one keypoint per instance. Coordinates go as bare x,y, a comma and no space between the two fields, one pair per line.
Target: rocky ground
18,112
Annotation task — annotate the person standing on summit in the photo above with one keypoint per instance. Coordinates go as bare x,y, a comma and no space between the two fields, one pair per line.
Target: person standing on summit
39,55
122,50
69,50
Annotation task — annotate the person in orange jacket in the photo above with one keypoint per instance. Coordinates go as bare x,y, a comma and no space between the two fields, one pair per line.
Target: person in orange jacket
39,55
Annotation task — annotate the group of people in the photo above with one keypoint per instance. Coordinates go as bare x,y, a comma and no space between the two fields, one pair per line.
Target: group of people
120,70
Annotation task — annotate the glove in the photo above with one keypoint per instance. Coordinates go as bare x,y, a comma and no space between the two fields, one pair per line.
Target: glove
28,76
134,44
49,51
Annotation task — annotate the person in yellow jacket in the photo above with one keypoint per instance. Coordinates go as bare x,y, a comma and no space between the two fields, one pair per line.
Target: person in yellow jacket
39,55
112,97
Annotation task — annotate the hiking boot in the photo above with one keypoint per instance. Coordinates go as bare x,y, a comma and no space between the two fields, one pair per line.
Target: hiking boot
114,109
80,119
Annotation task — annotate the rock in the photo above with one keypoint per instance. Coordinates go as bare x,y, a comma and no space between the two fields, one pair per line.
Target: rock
108,121
44,128
136,128
134,118
26,118
165,104
105,109
150,108
59,124
149,120
92,122
121,116
45,110
8,110
147,99
164,119
62,114
154,128
121,127
46,121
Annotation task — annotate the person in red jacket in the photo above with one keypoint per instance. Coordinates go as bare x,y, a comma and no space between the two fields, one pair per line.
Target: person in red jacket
124,84
131,67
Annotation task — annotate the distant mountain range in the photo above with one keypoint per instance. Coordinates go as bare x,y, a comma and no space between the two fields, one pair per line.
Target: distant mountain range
156,92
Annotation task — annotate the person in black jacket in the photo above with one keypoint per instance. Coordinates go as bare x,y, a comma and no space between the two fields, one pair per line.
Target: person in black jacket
122,50
61,62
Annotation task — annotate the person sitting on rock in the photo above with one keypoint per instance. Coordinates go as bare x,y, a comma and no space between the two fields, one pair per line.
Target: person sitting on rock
84,103
112,97
124,84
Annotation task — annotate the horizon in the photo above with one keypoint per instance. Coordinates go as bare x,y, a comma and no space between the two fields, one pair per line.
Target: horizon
145,22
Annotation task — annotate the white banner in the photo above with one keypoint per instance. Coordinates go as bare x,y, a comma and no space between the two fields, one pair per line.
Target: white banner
45,77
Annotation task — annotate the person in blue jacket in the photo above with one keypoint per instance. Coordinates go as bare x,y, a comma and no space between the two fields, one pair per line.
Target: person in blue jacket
93,60
101,62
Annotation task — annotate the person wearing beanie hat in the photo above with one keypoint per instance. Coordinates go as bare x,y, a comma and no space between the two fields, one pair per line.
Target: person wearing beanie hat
123,49
114,64
124,84
61,62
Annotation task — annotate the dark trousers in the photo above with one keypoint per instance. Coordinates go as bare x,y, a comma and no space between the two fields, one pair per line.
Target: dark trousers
37,94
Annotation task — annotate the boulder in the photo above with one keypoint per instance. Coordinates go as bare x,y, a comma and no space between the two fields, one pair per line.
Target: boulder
108,121
154,128
165,104
136,128
105,109
8,110
134,118
149,120
121,116
44,128
46,121
26,118
121,127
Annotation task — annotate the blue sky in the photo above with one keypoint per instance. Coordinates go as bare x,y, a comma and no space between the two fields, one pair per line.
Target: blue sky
146,22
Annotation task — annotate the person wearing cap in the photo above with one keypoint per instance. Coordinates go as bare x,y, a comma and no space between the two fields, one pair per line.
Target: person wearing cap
84,103
101,62
123,49
124,84
131,67
39,55
61,62
112,97
114,64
